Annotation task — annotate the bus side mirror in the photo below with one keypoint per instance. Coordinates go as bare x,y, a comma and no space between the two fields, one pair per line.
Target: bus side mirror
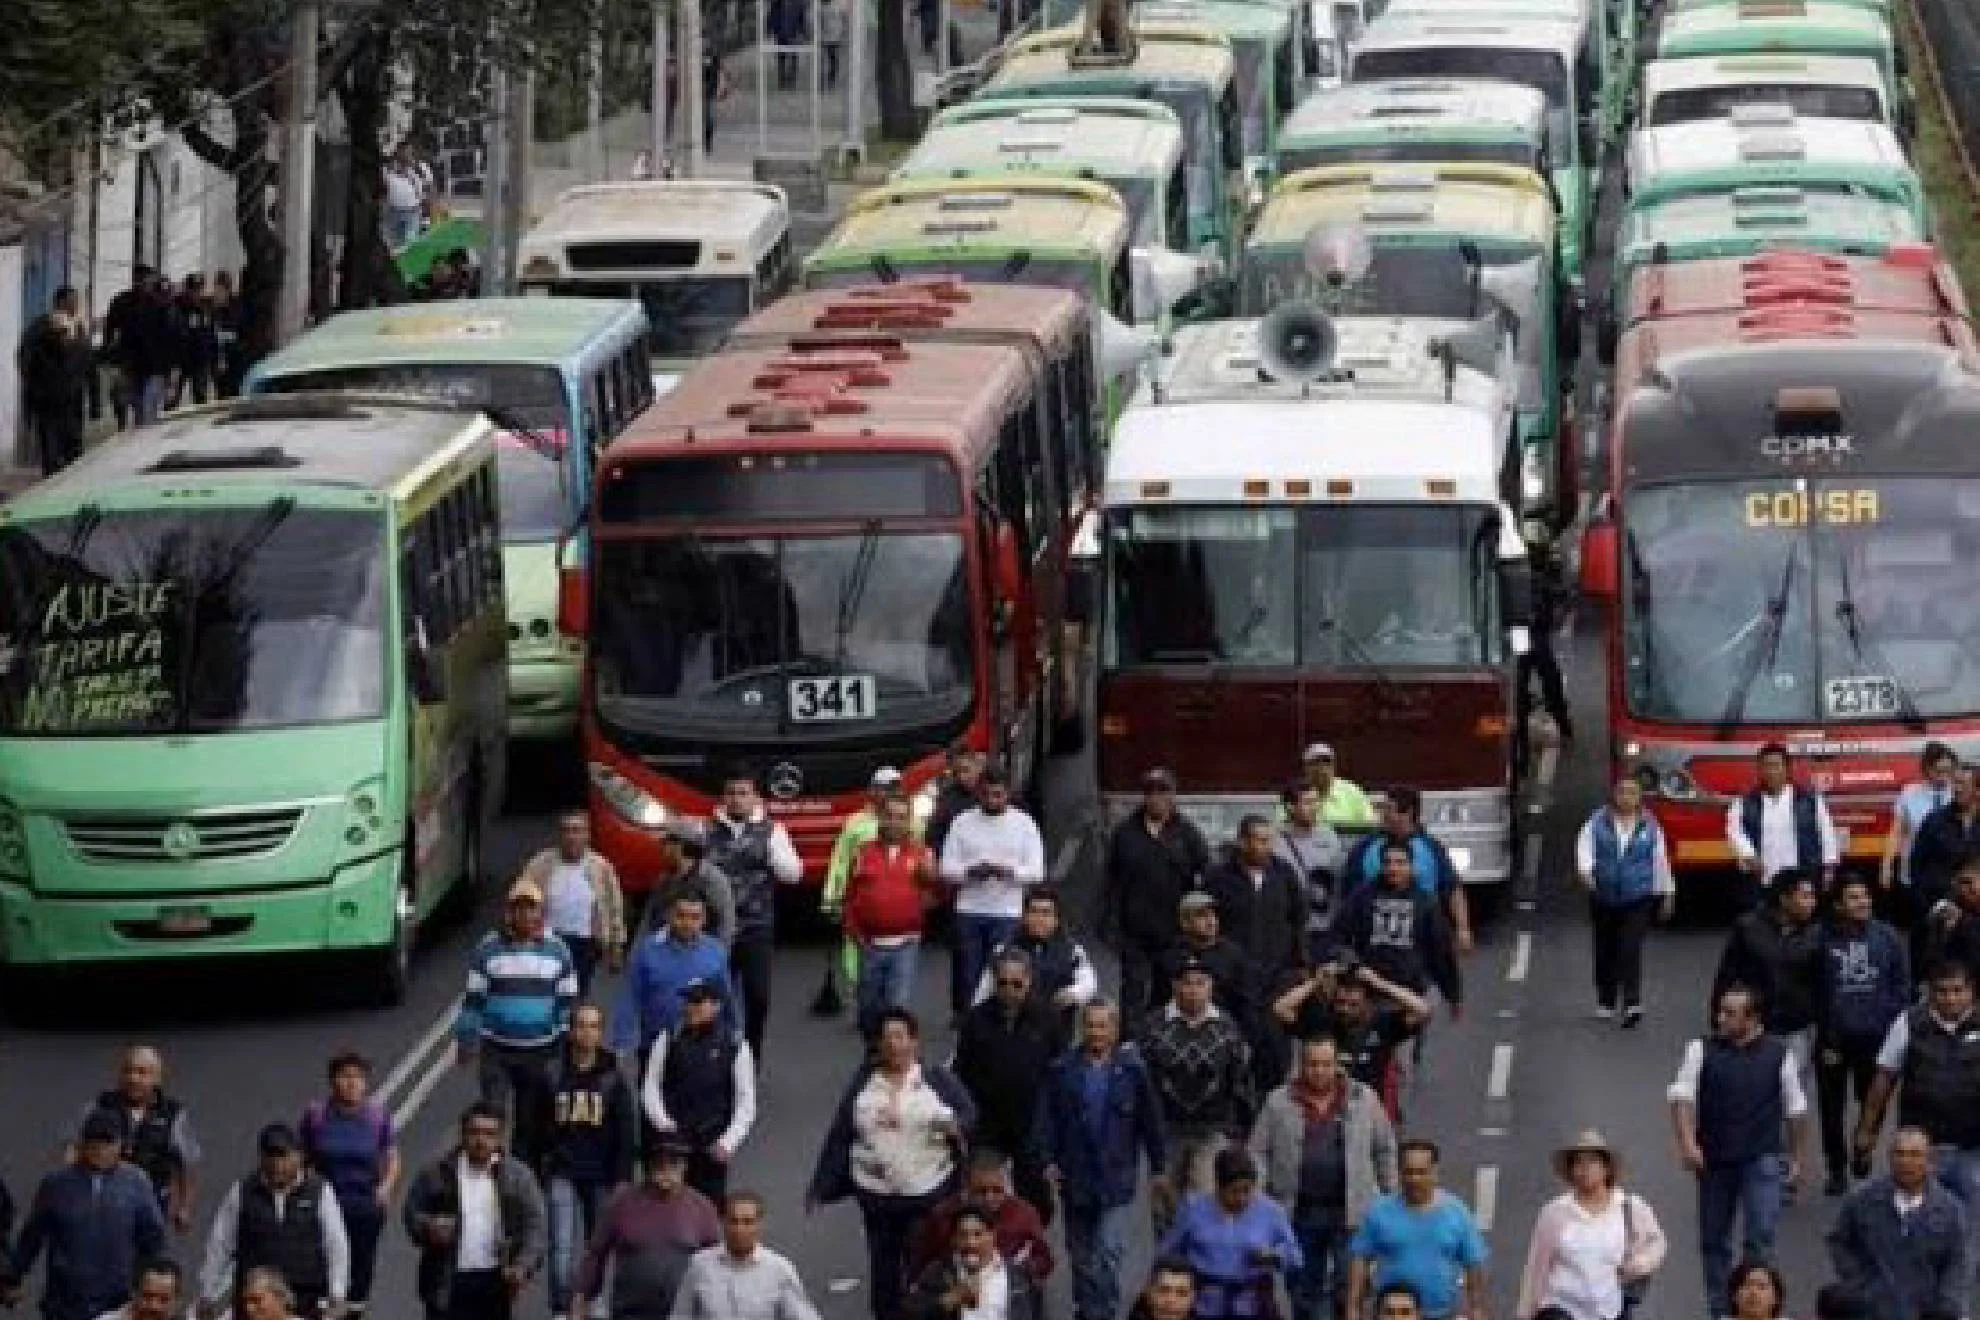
1008,567
1516,592
1598,562
573,587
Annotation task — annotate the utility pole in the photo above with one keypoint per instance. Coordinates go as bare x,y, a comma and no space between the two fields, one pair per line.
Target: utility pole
594,110
854,73
694,97
663,16
522,169
495,189
299,173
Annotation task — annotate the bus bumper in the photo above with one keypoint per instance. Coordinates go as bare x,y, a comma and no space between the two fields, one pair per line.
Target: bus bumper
1696,831
349,911
543,700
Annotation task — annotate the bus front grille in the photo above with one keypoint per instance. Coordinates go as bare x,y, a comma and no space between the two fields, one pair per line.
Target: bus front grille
218,836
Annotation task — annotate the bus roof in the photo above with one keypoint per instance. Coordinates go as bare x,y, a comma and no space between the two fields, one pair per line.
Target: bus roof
1167,50
1750,219
715,211
1301,449
1766,138
1018,211
375,443
1479,198
1574,13
1911,280
950,397
1791,70
1066,138
1785,25
1240,20
1486,31
524,331
1473,107
885,316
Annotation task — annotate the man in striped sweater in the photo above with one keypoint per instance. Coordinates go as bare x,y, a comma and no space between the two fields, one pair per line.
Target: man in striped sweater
521,987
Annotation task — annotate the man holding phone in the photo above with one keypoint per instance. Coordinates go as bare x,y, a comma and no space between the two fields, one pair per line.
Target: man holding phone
992,854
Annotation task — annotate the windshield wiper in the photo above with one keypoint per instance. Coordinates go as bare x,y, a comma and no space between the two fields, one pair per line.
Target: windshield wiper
853,593
1773,625
1639,600
1358,654
512,422
221,580
1867,649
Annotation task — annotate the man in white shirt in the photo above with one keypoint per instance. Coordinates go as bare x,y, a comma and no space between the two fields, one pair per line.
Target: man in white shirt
1778,824
992,853
477,1217
742,1279
584,905
405,197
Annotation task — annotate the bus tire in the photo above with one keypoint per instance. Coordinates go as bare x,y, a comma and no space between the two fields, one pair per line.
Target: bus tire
388,971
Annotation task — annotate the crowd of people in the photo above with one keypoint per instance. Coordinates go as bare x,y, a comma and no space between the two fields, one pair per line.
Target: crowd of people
1251,1078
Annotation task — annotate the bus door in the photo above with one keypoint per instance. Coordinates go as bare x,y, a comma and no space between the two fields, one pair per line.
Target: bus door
996,557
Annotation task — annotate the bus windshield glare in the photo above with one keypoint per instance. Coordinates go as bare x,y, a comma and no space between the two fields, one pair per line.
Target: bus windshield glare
1685,105
1366,153
865,633
1363,586
532,395
686,317
204,620
533,502
1802,601
1070,274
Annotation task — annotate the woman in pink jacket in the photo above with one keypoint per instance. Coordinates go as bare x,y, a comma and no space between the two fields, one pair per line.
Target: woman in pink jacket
1594,1246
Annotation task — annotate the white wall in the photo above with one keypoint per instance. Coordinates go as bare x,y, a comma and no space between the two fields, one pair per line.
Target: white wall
11,428
198,231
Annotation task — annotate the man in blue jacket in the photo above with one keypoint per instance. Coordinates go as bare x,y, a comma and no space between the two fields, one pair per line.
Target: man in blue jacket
1098,1116
1430,862
97,1219
663,966
1901,1241
1865,984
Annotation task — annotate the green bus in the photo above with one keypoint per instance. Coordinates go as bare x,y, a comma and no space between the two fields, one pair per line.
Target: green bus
1800,27
1265,47
1765,144
252,686
1417,119
565,374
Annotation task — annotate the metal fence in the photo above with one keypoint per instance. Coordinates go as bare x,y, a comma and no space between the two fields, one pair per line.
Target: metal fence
1949,32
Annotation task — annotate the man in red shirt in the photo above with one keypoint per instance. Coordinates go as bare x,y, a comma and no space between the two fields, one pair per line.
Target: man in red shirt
1020,1232
886,901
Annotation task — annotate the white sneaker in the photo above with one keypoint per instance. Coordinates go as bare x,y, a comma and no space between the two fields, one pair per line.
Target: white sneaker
1605,1013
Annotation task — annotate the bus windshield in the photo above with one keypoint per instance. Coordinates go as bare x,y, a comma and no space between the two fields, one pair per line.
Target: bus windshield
1416,149
1544,71
195,620
1685,105
860,633
532,395
686,317
1802,602
1365,586
533,501
1069,273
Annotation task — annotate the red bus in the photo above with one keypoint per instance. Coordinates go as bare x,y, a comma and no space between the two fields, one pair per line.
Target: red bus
1795,506
826,552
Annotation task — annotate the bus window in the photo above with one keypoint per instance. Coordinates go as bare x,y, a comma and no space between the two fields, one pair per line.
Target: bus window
1085,401
460,559
428,588
773,273
1176,210
604,417
488,535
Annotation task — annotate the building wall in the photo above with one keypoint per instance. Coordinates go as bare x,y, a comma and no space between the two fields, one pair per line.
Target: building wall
186,222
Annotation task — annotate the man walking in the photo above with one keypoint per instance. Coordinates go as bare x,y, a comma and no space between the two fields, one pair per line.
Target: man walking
648,1237
154,1131
477,1219
55,362
586,908
1421,1238
1062,975
593,1135
1343,804
699,1091
1778,824
756,854
860,829
1932,1059
1263,907
1776,951
663,967
96,1219
740,1278
1430,862
284,1218
1098,1117
1308,844
1154,857
886,900
993,854
1233,985
1005,1045
1902,1241
1733,1097
685,869
521,987
1200,1063
1399,931
1865,986
1622,861
1947,839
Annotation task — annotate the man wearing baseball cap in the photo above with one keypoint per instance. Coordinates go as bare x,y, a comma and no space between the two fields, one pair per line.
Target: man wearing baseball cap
96,1218
648,1235
1342,803
284,1218
1154,856
860,829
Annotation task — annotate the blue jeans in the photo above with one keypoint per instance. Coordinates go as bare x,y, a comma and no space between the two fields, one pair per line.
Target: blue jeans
977,937
573,1214
1316,1288
1752,1191
1096,1239
886,979
148,398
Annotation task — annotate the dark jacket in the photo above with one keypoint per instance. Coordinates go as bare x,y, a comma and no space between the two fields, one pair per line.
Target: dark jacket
1147,875
1000,1058
1959,943
1267,921
831,1178
1235,985
55,367
1902,1267
1436,874
924,1301
437,1191
95,1229
1100,1168
1865,983
1944,841
593,1124
1785,966
1405,937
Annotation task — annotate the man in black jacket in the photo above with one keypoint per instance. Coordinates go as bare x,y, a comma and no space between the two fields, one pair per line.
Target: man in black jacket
155,1129
1154,857
1946,838
700,1089
1402,932
1234,988
283,1218
55,364
1776,951
1955,924
1062,975
955,794
592,1137
1002,1050
1261,902
463,1279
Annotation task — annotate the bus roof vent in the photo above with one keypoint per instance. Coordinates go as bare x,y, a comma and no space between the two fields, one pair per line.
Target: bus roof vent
975,225
1402,181
1393,209
975,201
1912,256
1777,146
1772,278
261,458
1762,114
1405,110
1033,143
773,418
1049,114
1803,321
886,348
1772,9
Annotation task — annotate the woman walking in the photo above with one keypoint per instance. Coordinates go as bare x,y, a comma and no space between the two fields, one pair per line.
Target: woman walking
1595,1246
348,1140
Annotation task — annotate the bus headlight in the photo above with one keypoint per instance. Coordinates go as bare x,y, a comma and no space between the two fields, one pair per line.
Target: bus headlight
13,840
924,805
362,822
633,804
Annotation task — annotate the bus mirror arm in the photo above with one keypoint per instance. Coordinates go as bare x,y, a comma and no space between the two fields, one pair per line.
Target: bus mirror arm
1599,548
573,586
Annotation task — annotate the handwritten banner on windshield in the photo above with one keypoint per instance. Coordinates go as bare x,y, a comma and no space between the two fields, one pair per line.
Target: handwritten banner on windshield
99,658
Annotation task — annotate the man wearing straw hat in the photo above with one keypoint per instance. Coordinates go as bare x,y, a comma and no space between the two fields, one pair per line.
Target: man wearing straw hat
1595,1245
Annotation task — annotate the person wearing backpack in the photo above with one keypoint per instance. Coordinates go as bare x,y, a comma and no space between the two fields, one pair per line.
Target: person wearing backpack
349,1141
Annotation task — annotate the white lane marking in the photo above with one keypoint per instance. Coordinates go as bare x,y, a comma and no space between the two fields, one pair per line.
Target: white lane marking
402,1071
1492,1132
423,1089
1522,957
1062,863
1499,1080
1485,1197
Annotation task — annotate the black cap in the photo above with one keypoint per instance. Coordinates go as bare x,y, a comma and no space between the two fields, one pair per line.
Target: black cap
1159,779
101,1125
278,1139
671,1146
1190,966
701,988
